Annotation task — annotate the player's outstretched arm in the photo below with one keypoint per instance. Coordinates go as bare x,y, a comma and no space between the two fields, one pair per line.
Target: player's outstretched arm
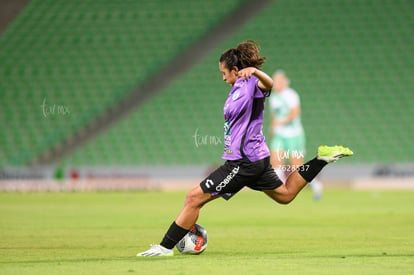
265,81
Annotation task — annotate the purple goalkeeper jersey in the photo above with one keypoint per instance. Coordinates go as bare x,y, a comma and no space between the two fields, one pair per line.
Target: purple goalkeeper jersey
243,115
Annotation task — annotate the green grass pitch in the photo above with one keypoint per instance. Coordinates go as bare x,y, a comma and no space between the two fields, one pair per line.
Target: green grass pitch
347,232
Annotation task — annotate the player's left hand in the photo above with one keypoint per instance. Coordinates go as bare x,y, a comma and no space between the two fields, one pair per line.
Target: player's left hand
246,73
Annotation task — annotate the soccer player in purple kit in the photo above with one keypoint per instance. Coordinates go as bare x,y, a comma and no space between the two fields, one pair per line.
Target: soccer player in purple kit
246,155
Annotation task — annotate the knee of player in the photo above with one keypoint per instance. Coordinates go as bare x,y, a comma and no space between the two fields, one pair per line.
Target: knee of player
285,199
281,197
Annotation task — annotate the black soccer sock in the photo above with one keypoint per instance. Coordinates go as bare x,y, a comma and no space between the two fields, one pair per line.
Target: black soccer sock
174,234
312,168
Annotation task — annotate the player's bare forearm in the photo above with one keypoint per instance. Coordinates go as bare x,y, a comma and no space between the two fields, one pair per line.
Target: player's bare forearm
265,81
294,113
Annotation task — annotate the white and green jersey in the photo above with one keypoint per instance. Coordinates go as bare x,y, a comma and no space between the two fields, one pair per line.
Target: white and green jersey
280,106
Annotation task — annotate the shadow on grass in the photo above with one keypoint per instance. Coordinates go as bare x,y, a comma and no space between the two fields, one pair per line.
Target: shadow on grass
106,259
180,257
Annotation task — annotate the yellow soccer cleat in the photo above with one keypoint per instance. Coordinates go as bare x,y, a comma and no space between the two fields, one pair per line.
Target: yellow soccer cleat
333,153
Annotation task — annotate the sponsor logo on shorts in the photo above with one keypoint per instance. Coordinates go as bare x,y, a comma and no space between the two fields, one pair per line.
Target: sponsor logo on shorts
209,183
229,177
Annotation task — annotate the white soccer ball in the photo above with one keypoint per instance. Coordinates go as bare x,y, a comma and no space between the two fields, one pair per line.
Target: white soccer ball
194,242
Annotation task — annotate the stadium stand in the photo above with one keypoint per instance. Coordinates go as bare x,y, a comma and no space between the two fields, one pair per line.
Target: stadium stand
351,61
64,63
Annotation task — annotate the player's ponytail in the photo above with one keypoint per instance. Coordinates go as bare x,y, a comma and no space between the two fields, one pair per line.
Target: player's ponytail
247,54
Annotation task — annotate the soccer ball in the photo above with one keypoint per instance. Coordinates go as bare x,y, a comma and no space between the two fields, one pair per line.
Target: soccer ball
194,242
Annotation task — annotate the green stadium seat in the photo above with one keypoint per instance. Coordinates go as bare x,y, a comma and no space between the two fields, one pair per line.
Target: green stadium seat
88,55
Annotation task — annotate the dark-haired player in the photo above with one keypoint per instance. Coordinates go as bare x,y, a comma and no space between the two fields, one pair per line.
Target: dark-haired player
245,151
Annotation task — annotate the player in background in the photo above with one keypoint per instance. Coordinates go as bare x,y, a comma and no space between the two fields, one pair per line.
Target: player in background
287,145
246,155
